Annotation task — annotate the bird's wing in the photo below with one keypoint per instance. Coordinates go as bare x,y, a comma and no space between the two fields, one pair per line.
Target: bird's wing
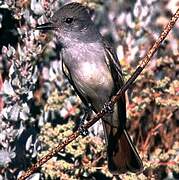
66,73
113,63
115,68
122,155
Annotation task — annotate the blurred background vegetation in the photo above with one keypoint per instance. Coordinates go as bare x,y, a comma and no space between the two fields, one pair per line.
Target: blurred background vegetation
38,107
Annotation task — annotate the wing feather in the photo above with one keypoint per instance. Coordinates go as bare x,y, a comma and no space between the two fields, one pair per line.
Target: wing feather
115,68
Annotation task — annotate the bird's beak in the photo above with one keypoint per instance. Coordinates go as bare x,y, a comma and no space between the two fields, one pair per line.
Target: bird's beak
46,26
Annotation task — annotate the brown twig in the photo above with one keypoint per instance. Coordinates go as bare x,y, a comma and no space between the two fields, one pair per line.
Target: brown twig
114,99
150,134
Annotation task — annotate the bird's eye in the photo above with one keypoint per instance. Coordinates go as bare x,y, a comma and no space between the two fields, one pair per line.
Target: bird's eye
69,20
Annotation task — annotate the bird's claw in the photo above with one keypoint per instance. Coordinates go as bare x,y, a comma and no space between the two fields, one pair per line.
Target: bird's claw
108,108
84,132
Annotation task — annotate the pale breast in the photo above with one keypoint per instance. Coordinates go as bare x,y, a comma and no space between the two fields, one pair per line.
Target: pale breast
93,80
89,70
94,73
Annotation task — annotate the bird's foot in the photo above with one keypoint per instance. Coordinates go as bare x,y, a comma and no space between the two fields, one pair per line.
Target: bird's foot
108,108
84,132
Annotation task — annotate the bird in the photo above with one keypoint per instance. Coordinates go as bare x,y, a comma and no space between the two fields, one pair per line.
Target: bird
91,65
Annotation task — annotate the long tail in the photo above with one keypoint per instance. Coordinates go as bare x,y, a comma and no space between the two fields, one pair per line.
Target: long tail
121,153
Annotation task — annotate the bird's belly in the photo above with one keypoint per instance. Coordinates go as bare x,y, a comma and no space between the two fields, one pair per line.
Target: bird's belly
93,79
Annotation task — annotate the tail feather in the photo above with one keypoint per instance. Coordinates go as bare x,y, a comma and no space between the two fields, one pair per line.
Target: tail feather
122,155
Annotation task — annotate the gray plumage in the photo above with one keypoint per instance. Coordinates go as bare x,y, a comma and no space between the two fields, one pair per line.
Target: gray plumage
92,68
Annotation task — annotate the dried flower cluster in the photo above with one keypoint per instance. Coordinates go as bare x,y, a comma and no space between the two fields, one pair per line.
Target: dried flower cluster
38,108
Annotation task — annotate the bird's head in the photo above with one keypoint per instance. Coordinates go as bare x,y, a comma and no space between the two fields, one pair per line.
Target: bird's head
71,22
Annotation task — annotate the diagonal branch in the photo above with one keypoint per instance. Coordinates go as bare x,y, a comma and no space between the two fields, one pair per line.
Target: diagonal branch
114,99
